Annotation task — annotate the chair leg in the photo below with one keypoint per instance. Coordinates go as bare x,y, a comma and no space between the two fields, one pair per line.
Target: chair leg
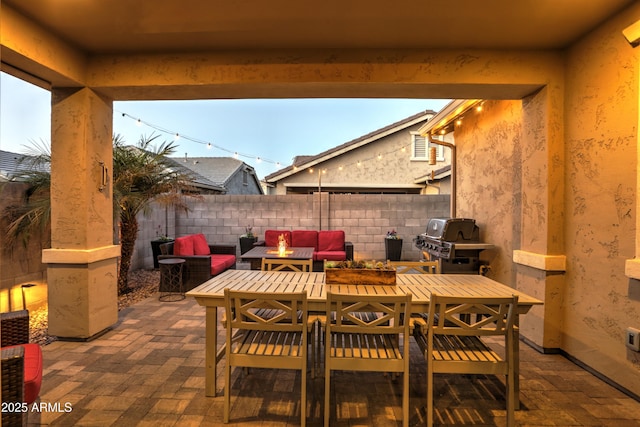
405,399
303,396
227,391
312,337
511,399
327,394
429,396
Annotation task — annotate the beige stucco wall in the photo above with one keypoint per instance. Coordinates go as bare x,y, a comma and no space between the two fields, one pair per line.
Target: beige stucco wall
601,198
489,180
556,177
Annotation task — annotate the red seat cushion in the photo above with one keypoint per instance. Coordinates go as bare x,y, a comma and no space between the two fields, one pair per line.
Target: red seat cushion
330,256
183,246
304,239
271,237
330,240
32,371
221,262
200,245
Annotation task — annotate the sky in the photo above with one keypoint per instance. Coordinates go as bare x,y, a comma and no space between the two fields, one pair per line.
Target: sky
274,130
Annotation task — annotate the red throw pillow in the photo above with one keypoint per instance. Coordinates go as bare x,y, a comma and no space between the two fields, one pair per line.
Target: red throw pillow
330,240
183,246
271,237
200,245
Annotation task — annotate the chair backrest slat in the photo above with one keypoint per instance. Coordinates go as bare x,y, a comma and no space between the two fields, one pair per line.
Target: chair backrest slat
392,312
266,310
413,267
282,264
471,316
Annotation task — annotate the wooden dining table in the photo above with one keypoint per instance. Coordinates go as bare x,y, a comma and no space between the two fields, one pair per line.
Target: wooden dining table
211,295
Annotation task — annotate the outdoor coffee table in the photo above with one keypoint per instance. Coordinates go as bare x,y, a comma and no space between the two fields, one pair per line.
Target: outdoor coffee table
255,255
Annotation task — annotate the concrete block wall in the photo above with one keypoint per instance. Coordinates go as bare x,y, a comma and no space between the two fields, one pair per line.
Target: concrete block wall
365,218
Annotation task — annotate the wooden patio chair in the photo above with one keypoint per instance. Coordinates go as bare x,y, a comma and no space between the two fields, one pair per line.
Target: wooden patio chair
416,267
452,342
296,265
418,320
282,264
277,342
356,344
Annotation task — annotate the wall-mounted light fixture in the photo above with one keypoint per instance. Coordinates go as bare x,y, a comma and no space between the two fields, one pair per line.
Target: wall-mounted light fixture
632,34
104,176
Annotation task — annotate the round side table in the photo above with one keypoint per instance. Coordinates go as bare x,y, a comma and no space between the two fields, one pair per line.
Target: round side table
171,279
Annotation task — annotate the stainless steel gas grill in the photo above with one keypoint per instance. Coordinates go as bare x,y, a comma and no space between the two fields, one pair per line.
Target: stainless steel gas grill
455,242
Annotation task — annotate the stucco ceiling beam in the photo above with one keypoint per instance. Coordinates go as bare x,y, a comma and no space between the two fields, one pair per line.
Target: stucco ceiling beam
343,73
26,47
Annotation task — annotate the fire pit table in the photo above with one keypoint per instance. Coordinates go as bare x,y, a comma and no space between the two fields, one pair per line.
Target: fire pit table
255,255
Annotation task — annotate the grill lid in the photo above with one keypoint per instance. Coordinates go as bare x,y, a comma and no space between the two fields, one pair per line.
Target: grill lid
453,229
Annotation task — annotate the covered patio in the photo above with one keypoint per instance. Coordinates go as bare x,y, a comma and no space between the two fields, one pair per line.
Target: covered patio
549,170
149,371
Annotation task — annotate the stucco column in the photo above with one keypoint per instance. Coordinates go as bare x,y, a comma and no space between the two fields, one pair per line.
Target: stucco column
82,261
540,260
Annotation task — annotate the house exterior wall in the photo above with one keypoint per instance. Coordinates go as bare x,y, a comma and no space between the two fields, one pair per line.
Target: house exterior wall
380,164
365,218
514,179
601,200
490,194
236,184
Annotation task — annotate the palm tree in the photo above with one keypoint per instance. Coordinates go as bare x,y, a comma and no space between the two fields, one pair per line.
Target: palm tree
33,215
142,174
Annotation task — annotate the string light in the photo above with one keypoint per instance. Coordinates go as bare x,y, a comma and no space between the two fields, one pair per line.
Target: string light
208,144
295,168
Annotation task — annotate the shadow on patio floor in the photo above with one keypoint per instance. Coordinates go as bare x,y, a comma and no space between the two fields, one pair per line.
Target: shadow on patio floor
149,371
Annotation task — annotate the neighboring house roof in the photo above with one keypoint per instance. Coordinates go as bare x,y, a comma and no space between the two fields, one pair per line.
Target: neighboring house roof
435,175
301,162
217,171
12,163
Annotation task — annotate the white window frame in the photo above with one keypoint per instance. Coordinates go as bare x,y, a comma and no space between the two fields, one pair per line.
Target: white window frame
416,137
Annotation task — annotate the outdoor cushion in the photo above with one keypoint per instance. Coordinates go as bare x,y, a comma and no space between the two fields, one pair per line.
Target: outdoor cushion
200,245
330,240
271,237
183,246
304,239
220,263
32,371
330,256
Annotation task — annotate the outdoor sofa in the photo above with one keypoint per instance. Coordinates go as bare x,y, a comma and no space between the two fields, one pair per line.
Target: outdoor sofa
203,261
329,245
21,368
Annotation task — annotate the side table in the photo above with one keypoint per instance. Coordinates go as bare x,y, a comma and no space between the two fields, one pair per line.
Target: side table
171,279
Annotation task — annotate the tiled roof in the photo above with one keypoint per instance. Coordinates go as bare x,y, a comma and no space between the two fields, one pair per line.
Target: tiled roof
12,163
216,169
